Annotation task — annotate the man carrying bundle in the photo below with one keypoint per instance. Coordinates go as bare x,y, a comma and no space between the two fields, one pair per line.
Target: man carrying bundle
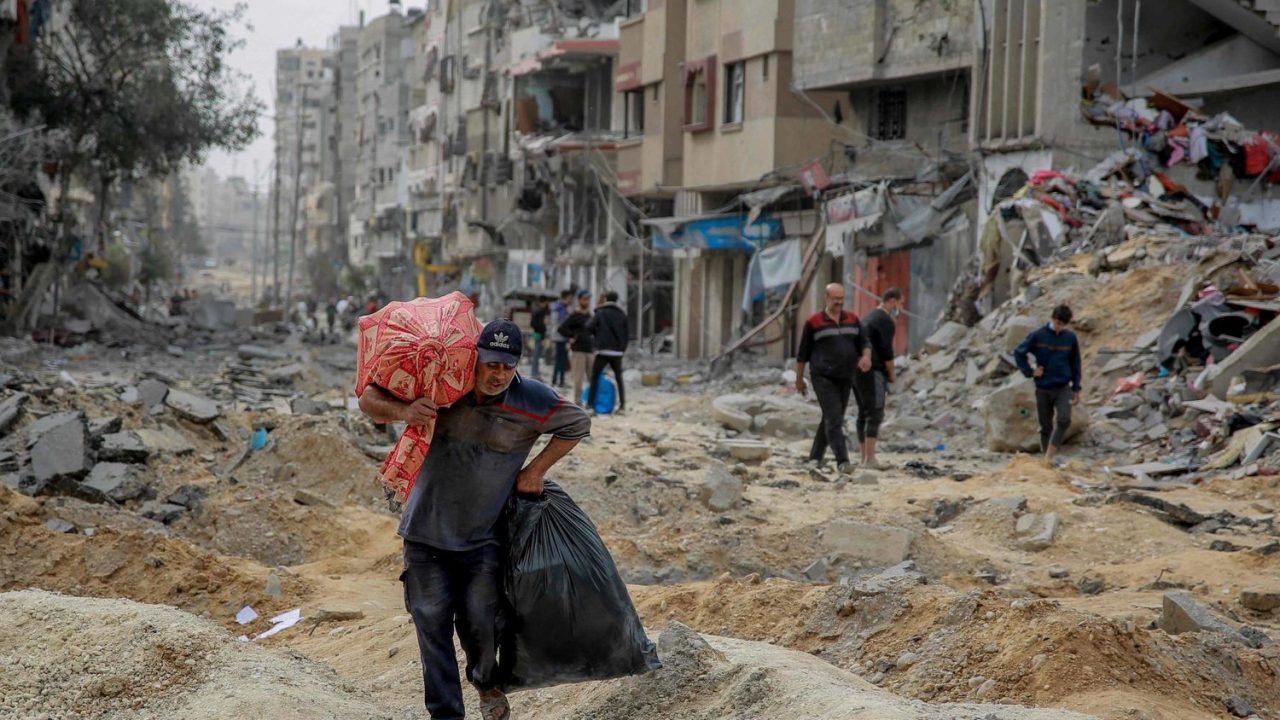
452,522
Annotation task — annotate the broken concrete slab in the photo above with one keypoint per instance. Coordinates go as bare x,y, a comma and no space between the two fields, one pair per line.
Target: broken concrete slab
1181,614
61,451
1026,524
817,571
1262,350
1009,418
152,392
1017,329
941,362
123,447
118,481
193,407
726,411
746,450
946,336
58,525
720,490
161,511
871,543
11,410
285,374
188,496
307,406
1044,539
49,422
129,395
165,440
99,427
1260,600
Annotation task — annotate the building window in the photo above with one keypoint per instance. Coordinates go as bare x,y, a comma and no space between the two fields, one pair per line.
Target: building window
699,95
633,109
889,117
634,8
735,81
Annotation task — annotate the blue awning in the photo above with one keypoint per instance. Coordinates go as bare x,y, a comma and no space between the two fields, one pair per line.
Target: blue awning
720,232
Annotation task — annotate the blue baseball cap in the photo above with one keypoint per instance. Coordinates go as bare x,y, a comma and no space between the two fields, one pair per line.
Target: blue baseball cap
500,341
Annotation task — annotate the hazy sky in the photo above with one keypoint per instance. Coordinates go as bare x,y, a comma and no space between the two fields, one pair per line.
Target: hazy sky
278,24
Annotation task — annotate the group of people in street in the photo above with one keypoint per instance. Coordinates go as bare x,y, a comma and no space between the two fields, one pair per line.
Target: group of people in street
851,356
586,341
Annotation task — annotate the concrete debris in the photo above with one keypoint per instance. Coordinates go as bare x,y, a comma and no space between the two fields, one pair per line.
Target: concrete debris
1016,329
1009,418
58,525
98,427
152,392
1043,539
257,352
766,414
165,441
879,545
61,448
746,450
944,337
123,447
161,512
187,496
1260,600
192,407
307,406
119,481
720,490
1239,707
11,410
816,571
1181,614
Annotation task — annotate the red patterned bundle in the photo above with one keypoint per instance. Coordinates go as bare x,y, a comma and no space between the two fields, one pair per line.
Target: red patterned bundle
421,348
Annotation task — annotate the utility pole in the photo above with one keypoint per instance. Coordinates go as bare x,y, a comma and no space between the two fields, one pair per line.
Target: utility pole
275,224
297,195
484,108
253,255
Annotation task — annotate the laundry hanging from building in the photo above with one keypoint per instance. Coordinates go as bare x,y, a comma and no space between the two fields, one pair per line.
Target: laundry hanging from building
778,264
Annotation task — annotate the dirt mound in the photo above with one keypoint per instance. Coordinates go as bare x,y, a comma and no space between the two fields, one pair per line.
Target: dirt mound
85,658
712,677
933,643
140,565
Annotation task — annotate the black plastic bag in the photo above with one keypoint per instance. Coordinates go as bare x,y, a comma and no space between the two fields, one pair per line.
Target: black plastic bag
571,618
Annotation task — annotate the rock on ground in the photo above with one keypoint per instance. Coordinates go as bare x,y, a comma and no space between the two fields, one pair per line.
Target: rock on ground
61,448
1009,417
127,659
118,481
720,490
123,447
871,543
192,407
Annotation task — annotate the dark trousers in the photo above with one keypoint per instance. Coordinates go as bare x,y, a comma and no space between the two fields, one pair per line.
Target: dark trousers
535,363
869,391
562,363
1053,402
445,590
597,367
833,398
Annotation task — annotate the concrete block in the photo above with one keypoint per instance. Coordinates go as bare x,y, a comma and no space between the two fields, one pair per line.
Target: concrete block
1009,418
118,481
123,447
871,543
725,410
944,337
1260,600
1017,329
1260,351
746,450
165,441
1181,613
61,451
720,490
152,392
11,410
192,407
1046,536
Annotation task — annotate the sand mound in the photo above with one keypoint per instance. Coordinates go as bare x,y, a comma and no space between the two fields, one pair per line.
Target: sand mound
63,656
143,566
713,677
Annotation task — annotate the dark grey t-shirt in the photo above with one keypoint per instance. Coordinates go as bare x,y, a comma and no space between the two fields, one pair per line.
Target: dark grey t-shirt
478,448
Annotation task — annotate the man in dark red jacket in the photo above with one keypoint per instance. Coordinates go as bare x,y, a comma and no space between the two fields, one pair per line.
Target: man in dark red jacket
833,346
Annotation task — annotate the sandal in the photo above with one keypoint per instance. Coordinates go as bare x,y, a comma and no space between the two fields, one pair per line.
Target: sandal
494,705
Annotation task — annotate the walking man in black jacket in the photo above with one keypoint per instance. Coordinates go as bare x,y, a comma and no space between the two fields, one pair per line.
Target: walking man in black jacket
1057,376
611,332
871,388
833,346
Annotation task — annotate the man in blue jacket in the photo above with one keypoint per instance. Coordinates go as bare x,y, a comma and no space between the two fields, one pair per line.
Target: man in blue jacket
1057,376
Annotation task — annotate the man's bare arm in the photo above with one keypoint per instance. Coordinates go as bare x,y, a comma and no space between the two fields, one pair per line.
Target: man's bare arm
529,481
383,407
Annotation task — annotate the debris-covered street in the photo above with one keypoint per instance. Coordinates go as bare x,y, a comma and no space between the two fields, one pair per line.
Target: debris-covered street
639,360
